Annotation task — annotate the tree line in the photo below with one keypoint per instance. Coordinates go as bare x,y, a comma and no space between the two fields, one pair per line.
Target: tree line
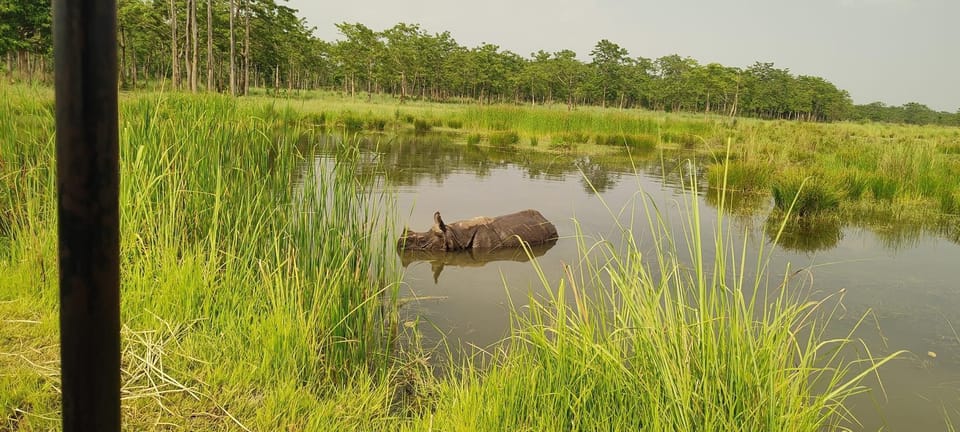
230,45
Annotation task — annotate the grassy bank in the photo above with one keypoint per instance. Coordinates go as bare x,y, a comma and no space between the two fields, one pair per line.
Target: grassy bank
900,171
258,285
245,300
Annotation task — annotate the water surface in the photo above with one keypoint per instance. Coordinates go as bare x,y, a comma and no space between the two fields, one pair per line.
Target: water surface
904,275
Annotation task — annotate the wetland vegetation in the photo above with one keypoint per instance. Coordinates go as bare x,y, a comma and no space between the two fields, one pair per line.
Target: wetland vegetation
260,285
256,298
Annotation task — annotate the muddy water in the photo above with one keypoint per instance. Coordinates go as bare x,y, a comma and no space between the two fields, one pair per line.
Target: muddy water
905,275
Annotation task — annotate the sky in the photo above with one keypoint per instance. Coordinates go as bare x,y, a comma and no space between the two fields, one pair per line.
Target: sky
893,51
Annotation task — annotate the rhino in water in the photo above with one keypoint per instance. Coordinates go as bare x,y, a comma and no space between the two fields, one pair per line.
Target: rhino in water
482,232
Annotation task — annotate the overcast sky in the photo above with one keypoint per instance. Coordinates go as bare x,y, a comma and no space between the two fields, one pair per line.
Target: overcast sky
894,51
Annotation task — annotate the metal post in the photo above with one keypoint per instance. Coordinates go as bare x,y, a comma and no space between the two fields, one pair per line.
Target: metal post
85,76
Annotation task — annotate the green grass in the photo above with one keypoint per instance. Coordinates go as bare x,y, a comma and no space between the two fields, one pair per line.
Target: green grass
740,176
670,339
258,293
245,300
804,196
504,138
910,172
474,139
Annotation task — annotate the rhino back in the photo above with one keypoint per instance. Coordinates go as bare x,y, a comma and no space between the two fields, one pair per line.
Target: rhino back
529,225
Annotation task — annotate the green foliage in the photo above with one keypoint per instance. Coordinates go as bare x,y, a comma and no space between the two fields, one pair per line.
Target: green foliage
454,124
410,62
377,124
739,176
570,138
504,138
659,343
640,142
685,139
421,126
350,123
803,196
259,294
473,139
218,250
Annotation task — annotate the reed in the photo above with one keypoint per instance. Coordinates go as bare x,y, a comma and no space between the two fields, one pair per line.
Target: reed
660,336
258,292
255,279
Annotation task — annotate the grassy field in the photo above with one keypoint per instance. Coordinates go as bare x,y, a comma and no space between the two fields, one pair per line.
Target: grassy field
858,170
256,299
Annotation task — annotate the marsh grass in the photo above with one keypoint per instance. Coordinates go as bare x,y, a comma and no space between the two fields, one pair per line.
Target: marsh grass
247,304
422,126
504,139
913,169
474,139
257,293
661,336
641,143
804,196
741,176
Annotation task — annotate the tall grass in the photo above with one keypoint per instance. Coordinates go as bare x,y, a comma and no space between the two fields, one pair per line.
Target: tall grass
248,302
804,196
908,172
661,336
257,290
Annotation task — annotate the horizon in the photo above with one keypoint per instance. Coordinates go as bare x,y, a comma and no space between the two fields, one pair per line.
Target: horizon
867,47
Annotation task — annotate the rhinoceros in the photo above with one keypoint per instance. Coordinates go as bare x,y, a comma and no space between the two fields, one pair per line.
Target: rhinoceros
482,232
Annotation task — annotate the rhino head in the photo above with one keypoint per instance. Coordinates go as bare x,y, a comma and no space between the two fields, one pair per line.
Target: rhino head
437,238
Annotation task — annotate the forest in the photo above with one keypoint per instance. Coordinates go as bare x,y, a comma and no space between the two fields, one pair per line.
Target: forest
231,46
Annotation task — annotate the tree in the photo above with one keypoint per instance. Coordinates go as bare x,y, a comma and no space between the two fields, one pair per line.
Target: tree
768,91
209,45
357,55
401,54
536,77
233,50
194,35
569,74
677,87
175,70
25,36
608,66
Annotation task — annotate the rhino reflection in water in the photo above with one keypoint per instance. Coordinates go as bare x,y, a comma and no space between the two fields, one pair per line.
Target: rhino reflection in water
474,242
471,258
482,232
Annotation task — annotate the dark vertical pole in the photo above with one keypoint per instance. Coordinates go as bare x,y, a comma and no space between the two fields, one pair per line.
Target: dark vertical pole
85,54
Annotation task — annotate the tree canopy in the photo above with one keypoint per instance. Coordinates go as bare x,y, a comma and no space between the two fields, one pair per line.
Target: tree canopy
276,50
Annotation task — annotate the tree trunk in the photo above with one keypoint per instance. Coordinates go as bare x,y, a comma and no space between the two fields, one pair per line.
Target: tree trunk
187,33
209,45
246,49
196,37
736,99
123,58
233,56
133,68
175,69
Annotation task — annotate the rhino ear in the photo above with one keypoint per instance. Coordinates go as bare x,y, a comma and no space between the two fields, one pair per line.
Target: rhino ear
438,222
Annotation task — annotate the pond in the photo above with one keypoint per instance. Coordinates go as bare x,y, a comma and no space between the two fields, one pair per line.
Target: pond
903,275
